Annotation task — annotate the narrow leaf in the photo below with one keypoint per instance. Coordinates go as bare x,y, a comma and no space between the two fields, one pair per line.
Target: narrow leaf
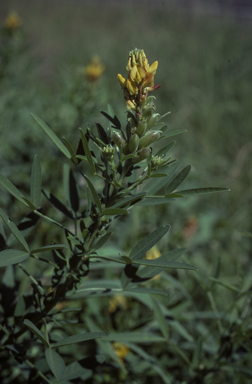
20,238
178,180
55,362
7,184
78,338
52,135
160,318
101,241
70,149
148,242
134,337
164,264
49,248
12,256
202,191
94,193
36,331
114,211
164,150
57,204
87,151
36,181
73,191
173,133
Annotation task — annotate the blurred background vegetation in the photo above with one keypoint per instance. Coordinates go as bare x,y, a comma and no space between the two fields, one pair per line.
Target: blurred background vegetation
205,74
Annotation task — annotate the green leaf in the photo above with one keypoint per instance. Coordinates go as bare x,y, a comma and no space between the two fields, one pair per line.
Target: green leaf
70,149
87,151
134,337
149,272
223,283
7,184
178,180
163,151
14,229
55,362
101,241
146,291
29,203
94,193
202,191
164,264
173,133
148,242
49,248
73,192
129,200
160,318
12,256
153,186
114,211
36,331
36,182
52,135
78,338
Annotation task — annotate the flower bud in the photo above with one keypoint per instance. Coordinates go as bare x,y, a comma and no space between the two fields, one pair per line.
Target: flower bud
154,118
148,139
126,149
141,155
148,112
132,122
141,128
133,143
118,139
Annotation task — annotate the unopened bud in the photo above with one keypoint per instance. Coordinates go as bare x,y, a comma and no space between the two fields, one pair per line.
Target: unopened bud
148,112
141,128
141,155
152,121
148,139
132,122
118,139
133,143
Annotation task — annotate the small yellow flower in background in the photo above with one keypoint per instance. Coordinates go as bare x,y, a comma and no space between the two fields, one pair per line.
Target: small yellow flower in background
12,21
118,301
121,350
153,254
140,79
94,69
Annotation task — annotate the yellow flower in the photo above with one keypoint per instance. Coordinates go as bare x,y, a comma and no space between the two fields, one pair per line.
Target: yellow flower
153,254
140,79
12,21
94,69
116,302
121,350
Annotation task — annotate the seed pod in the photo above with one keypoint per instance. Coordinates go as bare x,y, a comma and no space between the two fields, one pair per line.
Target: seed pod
148,139
141,155
118,139
141,128
133,143
154,118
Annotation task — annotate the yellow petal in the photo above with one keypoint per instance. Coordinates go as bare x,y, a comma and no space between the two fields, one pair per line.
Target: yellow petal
153,67
122,80
149,81
142,72
133,72
131,86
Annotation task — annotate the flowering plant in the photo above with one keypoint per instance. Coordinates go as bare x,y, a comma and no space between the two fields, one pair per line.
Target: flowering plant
112,171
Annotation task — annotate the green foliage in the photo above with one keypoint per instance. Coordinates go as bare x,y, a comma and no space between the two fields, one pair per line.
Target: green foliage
75,278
